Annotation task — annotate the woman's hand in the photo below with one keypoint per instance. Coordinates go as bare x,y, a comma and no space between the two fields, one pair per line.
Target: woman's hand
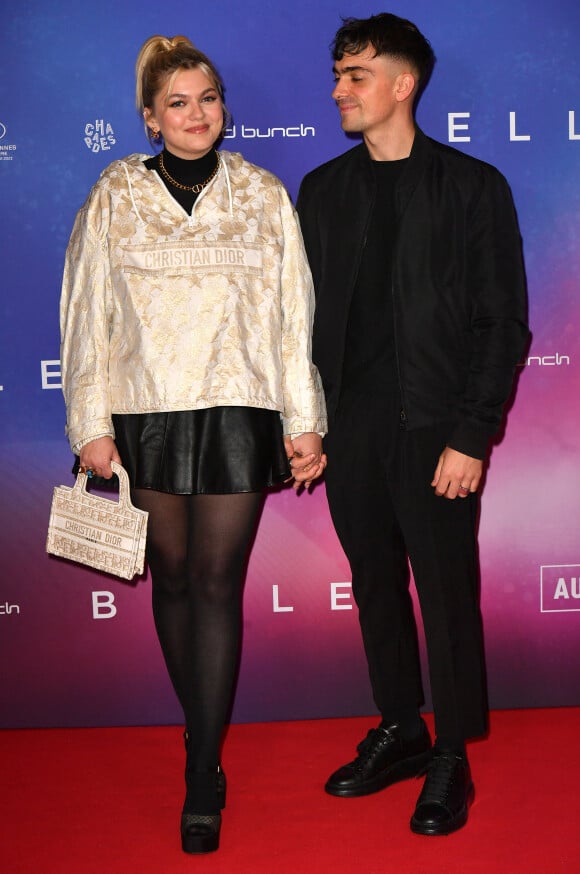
307,460
97,456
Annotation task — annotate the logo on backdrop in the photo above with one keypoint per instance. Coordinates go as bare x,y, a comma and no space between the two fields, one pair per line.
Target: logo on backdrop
6,149
560,588
103,605
246,132
458,128
99,136
50,373
555,360
340,598
7,609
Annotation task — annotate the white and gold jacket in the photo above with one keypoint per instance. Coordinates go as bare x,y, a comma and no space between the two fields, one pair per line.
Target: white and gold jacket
162,311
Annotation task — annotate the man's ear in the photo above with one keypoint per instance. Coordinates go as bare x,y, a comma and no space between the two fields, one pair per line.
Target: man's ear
405,86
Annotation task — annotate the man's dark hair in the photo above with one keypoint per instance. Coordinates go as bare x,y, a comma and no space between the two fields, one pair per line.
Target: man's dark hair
388,35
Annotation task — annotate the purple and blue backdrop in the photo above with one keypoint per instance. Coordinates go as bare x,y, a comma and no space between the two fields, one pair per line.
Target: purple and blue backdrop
77,647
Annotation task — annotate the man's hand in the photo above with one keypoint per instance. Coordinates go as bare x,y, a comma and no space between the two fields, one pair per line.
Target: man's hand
456,474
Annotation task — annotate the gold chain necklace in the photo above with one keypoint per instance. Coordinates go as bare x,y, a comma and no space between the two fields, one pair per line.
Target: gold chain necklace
198,188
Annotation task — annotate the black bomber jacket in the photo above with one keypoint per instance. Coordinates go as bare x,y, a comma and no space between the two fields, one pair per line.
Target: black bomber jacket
458,284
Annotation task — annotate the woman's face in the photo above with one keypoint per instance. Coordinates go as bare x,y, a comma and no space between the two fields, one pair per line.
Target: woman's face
189,115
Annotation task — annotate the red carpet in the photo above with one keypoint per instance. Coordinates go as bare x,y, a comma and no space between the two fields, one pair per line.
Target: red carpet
80,801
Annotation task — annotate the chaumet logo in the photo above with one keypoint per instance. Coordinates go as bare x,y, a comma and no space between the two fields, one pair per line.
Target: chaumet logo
560,588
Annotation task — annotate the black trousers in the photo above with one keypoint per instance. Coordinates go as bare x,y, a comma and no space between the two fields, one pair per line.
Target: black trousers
386,515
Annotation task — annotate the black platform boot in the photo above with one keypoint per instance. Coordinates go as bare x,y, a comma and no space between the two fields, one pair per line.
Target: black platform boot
221,779
201,820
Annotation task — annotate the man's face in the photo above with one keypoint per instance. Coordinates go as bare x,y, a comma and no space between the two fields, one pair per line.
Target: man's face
365,91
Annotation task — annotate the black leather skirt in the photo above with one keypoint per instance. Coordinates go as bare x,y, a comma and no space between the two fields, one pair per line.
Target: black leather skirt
221,450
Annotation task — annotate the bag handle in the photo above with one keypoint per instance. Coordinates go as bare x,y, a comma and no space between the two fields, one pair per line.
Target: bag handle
80,486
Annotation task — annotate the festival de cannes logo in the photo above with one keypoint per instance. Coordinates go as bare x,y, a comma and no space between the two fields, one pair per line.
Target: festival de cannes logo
99,135
7,150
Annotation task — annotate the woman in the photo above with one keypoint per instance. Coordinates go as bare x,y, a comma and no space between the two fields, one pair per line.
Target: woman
186,314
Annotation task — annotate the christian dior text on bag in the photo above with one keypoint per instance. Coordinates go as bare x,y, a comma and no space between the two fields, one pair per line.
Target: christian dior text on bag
107,535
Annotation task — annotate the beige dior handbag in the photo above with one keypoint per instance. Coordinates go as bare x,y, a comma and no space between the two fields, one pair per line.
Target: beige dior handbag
104,534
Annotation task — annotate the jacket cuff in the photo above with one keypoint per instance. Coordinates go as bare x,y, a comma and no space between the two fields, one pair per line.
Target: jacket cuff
76,447
470,440
294,434
296,425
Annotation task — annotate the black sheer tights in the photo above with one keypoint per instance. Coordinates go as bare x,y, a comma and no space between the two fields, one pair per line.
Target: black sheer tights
197,547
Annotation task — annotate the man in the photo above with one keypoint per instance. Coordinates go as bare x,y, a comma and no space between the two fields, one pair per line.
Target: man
420,322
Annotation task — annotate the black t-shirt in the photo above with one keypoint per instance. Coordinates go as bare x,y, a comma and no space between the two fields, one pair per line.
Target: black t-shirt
369,362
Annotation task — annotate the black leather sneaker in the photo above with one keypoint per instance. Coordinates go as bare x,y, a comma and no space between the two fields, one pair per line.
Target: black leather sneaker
443,804
383,758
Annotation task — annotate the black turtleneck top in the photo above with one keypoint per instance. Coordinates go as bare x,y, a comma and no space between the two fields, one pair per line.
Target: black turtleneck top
185,171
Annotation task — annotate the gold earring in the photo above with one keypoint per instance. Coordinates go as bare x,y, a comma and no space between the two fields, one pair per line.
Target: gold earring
155,133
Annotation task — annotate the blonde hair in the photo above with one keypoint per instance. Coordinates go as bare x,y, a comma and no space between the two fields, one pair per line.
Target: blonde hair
160,60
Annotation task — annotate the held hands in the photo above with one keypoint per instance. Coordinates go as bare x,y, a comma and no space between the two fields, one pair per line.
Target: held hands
456,474
307,461
97,456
